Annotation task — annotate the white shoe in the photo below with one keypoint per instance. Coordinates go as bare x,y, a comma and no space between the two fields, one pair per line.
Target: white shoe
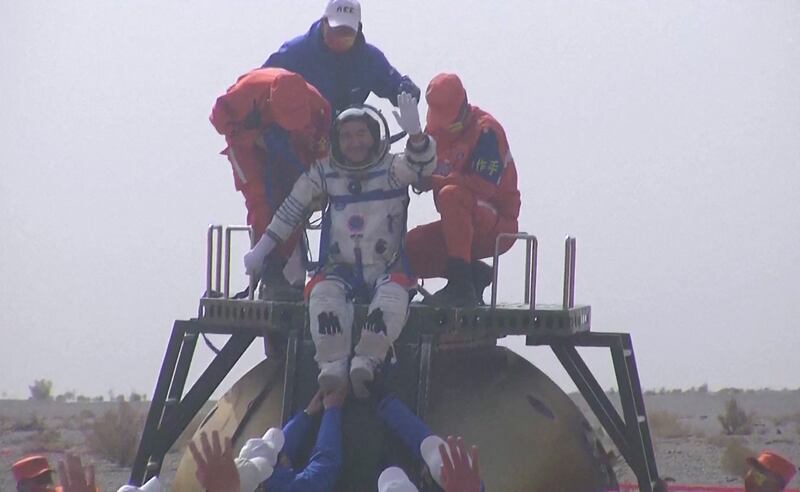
362,371
332,375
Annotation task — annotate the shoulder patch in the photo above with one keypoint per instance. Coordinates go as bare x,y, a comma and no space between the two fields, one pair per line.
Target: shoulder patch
486,160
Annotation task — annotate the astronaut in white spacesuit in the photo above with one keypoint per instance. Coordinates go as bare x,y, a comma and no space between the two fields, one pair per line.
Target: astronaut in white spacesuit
361,255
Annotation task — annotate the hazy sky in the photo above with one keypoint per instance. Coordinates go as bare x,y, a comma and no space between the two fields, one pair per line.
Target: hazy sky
664,135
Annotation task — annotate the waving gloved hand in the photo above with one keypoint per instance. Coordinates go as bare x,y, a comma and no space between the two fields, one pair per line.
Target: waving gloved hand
408,116
254,259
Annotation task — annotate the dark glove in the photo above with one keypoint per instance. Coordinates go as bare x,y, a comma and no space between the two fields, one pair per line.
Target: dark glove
406,85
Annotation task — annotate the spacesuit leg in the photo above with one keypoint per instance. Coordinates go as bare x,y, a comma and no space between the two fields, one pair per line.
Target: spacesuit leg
331,320
386,317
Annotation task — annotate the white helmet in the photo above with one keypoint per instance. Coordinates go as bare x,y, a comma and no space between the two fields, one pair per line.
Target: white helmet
378,128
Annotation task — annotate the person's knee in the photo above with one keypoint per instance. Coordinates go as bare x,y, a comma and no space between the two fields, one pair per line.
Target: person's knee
453,198
392,299
327,293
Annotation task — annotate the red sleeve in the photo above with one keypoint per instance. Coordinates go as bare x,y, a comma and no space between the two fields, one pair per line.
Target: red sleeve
322,124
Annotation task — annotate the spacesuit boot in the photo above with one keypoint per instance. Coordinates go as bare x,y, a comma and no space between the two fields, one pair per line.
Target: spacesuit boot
459,291
482,276
332,375
274,286
362,373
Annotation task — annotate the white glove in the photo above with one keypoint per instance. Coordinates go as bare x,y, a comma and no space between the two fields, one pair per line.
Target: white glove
267,447
252,472
254,259
152,485
429,449
408,117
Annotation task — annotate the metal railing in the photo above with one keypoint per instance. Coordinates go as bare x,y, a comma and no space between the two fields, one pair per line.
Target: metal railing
210,259
531,260
569,272
531,264
214,275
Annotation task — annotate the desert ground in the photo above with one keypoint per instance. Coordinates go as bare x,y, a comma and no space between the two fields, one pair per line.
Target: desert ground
690,443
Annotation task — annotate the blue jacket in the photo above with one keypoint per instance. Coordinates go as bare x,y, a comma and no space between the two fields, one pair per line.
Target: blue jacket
404,424
342,78
325,463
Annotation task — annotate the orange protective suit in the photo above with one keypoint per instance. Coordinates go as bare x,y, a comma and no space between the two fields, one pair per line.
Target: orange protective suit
259,101
477,198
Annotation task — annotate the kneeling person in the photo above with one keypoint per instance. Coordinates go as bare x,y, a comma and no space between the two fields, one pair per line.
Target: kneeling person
362,238
475,192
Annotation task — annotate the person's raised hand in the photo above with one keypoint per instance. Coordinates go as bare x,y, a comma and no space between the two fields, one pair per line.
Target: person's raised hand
216,470
408,115
73,477
461,473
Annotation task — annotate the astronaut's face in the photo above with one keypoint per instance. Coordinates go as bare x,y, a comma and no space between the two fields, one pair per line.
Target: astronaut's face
355,141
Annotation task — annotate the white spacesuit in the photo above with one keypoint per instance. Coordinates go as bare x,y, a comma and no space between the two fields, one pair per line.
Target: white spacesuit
362,238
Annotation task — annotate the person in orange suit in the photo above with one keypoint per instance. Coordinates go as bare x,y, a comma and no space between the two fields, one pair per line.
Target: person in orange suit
475,191
769,472
275,125
33,474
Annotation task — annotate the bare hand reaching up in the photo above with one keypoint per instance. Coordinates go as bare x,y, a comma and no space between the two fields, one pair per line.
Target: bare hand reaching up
74,477
461,473
216,470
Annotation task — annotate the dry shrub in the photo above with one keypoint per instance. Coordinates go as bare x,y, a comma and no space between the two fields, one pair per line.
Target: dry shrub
720,441
41,390
34,423
735,421
667,425
734,456
115,434
45,441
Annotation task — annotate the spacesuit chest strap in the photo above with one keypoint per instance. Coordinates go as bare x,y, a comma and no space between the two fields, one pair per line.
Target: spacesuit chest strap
368,196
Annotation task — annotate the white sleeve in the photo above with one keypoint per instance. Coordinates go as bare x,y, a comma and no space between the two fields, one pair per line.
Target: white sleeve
308,188
415,163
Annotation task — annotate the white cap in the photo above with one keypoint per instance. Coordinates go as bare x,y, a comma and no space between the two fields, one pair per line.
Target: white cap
343,13
393,479
267,447
429,449
152,485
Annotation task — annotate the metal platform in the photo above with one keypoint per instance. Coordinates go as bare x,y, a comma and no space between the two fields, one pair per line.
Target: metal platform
563,327
265,318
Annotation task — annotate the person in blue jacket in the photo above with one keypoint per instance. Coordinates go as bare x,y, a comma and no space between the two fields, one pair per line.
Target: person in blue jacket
335,58
325,464
217,471
456,475
446,465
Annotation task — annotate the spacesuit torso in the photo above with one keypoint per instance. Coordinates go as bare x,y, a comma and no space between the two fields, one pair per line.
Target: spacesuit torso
365,222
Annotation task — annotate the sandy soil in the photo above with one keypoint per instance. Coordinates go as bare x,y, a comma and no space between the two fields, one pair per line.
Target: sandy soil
696,452
694,455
